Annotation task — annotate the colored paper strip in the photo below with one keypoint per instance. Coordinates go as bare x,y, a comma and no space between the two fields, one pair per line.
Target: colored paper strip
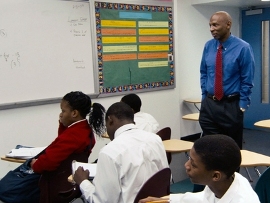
153,55
127,48
107,40
153,47
118,23
135,15
153,24
154,39
108,31
152,64
153,31
119,57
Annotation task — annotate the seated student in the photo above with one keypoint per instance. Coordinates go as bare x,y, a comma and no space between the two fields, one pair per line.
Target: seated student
213,162
142,120
75,136
125,163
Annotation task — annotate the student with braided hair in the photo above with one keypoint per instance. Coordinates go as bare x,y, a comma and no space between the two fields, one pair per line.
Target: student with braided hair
52,167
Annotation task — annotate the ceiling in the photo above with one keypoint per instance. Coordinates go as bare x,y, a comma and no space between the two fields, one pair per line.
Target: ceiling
235,3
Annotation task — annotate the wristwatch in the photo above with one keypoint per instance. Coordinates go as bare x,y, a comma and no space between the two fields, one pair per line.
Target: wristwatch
242,109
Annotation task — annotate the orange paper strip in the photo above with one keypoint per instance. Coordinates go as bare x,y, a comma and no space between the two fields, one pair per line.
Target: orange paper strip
119,57
153,55
118,31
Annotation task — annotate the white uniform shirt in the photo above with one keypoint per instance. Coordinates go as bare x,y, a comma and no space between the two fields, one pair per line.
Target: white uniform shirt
124,165
240,191
146,122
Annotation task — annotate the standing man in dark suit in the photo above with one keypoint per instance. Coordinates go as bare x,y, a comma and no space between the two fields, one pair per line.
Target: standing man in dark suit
223,106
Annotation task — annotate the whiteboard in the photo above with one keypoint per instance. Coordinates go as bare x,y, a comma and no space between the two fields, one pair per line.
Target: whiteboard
45,50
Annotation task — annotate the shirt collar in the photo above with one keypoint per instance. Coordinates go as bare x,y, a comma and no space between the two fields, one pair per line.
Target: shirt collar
227,43
123,129
76,122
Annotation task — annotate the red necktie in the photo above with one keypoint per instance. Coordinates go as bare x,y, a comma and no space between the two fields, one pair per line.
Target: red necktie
218,78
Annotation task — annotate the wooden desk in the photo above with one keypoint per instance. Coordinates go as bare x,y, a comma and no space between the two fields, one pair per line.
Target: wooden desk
254,159
13,159
105,135
175,145
263,123
250,158
192,116
194,101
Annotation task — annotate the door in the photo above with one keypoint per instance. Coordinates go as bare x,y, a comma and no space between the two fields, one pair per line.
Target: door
255,30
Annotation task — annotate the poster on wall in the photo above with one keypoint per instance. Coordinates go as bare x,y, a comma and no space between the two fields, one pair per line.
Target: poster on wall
134,47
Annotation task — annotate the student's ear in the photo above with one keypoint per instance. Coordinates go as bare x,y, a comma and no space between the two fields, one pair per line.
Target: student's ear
216,176
75,113
109,120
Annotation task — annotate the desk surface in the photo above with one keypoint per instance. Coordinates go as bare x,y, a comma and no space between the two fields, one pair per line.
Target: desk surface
192,116
263,123
195,101
13,159
105,135
250,158
175,145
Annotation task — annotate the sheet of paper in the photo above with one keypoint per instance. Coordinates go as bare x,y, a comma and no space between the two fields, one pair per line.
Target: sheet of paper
25,153
91,167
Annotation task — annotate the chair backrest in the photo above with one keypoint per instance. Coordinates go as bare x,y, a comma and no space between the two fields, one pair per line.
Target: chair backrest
262,187
54,185
157,185
165,134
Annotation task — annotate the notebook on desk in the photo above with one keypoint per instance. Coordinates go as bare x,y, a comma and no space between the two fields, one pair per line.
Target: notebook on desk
91,167
25,152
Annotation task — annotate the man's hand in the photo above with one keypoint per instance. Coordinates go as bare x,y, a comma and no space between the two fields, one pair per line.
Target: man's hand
80,175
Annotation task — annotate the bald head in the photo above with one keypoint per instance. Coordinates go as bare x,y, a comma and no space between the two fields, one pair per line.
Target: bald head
220,25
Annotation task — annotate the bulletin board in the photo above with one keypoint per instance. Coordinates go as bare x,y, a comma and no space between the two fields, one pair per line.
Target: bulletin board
134,47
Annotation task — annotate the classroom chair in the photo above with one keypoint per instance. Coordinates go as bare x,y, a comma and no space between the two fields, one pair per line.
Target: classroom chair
157,186
165,134
54,185
262,187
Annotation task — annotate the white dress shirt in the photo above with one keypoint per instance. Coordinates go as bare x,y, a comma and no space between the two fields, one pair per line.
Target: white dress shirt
240,191
124,165
146,122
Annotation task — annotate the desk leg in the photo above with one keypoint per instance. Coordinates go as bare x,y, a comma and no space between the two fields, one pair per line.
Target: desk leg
196,107
250,179
257,171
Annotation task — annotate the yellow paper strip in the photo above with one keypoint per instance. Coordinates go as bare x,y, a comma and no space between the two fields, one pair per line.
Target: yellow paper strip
154,48
153,31
154,39
152,64
127,48
118,23
119,57
106,40
153,24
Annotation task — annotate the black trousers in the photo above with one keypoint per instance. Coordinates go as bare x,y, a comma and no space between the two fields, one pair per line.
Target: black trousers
222,117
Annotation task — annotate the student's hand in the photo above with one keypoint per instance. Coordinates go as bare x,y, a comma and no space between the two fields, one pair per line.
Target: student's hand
80,175
151,199
32,162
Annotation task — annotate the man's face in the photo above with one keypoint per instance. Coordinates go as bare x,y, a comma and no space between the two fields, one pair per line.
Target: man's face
219,27
196,170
